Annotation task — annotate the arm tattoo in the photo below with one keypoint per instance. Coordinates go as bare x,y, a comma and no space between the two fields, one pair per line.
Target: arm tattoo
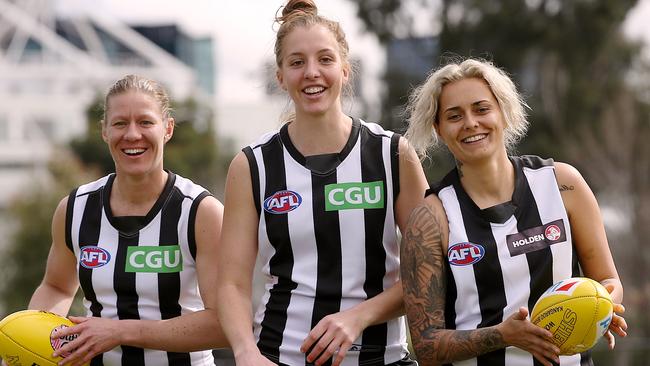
424,281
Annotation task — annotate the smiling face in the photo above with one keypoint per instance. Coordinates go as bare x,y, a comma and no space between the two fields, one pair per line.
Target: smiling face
470,121
312,71
136,133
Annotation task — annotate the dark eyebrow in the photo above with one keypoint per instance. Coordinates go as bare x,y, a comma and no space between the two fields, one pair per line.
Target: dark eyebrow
473,105
480,101
324,50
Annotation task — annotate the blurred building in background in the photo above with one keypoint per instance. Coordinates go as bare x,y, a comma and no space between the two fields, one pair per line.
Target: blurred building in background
52,69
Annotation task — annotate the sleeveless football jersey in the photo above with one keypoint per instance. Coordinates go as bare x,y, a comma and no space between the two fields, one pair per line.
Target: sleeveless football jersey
137,267
504,257
327,240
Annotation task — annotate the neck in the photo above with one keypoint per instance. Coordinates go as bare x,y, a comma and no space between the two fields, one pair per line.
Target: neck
135,195
322,134
489,182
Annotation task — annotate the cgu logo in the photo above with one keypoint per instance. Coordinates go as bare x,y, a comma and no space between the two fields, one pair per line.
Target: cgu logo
464,254
93,257
348,196
156,259
282,202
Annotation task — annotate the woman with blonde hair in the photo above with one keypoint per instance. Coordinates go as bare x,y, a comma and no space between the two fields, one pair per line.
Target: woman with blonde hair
468,288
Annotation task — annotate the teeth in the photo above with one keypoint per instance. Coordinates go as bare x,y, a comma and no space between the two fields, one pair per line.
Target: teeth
474,138
133,151
314,89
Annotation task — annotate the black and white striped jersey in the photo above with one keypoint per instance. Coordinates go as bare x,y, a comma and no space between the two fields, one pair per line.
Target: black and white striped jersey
504,257
137,267
327,240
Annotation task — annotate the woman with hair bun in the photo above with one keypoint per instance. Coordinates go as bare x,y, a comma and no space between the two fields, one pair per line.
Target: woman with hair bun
318,202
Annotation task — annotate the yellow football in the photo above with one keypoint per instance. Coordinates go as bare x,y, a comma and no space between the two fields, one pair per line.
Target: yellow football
25,337
577,311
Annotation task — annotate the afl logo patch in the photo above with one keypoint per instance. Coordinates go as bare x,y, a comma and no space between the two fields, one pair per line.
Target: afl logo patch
93,257
282,202
464,254
552,232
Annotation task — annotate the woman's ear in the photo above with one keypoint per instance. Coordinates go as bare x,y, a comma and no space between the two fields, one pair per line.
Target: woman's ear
169,129
346,73
280,79
102,123
436,128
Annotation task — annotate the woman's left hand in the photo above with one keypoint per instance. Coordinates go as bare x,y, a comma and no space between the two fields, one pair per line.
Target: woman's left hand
94,336
618,324
332,337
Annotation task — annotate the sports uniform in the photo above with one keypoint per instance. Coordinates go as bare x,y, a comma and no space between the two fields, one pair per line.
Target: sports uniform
504,257
137,267
327,240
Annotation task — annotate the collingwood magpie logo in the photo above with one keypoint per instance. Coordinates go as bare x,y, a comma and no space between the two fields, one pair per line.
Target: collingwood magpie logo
536,238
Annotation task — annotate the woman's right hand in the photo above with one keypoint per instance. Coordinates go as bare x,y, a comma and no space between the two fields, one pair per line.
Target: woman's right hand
518,331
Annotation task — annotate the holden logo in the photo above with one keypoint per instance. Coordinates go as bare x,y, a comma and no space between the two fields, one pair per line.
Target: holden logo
552,232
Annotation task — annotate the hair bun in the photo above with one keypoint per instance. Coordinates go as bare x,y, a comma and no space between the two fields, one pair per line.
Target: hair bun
295,7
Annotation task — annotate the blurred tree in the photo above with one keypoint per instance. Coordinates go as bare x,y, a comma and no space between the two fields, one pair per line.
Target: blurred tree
585,84
192,152
23,263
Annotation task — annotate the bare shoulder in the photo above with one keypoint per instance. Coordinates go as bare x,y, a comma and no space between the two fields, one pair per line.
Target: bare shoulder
576,193
567,176
58,220
62,207
434,206
210,208
406,150
239,164
428,222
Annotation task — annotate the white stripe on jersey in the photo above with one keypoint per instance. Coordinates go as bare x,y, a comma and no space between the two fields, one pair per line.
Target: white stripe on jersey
353,255
305,265
467,299
541,192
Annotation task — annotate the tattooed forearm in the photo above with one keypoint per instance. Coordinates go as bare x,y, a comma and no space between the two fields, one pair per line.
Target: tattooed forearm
423,275
424,283
444,346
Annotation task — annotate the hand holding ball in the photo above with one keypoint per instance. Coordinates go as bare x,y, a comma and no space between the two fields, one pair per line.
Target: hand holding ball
577,311
25,337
